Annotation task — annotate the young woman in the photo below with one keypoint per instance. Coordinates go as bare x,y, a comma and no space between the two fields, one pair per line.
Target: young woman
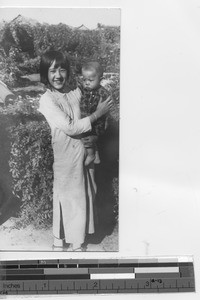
74,186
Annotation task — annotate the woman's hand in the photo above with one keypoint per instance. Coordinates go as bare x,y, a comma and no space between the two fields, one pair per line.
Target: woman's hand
103,107
89,141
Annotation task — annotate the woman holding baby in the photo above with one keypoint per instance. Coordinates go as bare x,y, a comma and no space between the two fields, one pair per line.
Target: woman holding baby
74,186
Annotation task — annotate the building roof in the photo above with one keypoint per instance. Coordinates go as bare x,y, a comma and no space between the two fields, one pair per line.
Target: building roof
82,27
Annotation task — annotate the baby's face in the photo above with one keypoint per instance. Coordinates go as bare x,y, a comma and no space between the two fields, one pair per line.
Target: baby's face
91,80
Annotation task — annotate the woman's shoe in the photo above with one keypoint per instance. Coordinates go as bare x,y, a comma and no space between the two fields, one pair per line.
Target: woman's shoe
57,248
80,249
66,246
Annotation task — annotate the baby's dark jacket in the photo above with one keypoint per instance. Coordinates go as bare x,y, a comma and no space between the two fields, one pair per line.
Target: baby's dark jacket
88,105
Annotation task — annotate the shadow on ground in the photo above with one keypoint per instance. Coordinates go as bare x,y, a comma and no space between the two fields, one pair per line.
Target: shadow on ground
10,206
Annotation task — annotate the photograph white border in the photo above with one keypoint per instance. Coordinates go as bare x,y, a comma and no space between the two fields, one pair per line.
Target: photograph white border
135,241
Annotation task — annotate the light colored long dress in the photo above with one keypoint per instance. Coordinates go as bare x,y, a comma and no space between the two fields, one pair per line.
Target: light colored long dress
74,186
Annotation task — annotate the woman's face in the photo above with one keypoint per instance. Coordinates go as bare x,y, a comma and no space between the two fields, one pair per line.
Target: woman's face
57,76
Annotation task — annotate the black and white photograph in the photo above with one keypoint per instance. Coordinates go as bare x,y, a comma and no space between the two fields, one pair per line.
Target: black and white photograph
59,129
100,147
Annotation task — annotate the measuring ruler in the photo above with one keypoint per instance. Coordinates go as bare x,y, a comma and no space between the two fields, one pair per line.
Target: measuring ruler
96,276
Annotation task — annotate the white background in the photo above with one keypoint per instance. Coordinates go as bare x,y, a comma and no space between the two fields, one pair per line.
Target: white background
160,133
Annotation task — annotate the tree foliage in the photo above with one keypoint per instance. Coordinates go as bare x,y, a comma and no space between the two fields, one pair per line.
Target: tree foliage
23,42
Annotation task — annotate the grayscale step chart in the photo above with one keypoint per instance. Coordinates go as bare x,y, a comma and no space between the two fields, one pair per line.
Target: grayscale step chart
97,276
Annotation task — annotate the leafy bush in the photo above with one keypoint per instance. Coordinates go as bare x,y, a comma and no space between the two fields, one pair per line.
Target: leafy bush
27,137
112,84
31,160
30,66
9,71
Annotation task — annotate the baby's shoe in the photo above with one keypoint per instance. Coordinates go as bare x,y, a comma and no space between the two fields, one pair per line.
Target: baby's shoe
97,158
89,159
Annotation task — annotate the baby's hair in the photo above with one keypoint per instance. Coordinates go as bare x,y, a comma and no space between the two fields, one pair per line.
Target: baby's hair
93,65
46,61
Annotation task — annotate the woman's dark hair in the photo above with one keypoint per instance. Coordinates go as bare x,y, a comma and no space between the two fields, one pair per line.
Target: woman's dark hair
46,61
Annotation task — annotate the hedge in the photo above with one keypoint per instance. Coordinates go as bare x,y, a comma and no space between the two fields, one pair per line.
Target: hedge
29,155
31,159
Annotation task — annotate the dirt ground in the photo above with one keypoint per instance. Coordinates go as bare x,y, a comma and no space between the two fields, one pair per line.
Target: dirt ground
31,239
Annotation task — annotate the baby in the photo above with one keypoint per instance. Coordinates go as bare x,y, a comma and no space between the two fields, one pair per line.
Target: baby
92,94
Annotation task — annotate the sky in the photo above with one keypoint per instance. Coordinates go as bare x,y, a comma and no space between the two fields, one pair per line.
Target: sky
70,16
